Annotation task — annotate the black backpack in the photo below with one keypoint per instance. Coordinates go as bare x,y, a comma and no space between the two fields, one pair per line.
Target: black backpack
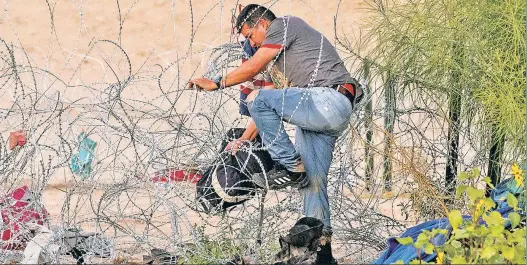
227,182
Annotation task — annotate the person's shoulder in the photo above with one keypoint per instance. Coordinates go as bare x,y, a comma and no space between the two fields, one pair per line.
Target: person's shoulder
295,19
287,20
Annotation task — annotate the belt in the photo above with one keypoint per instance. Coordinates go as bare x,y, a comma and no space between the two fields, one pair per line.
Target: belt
347,90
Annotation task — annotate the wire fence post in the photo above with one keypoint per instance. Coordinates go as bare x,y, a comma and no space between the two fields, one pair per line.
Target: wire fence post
368,112
389,120
497,142
454,111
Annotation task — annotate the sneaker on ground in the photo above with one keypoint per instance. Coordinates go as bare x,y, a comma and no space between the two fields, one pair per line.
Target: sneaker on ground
279,177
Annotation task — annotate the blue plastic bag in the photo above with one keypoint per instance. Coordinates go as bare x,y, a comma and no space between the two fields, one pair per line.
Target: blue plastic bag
81,163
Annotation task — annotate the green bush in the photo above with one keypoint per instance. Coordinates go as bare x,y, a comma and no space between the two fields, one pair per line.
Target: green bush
470,48
207,250
471,242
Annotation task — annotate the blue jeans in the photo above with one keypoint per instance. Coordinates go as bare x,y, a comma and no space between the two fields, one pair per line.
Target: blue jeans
321,114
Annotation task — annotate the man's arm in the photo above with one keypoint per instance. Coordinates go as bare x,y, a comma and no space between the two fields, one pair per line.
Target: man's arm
248,135
250,131
244,72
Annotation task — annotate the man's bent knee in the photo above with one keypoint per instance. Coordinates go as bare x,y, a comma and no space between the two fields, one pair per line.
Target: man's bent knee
252,96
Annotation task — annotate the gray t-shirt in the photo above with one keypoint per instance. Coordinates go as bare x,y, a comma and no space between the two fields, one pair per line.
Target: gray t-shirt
298,60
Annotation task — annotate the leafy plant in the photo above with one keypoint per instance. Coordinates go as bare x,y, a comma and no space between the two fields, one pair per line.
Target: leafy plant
467,48
207,250
481,237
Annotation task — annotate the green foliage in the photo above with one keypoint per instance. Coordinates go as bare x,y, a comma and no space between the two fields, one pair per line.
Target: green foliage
500,29
471,242
455,218
207,250
471,48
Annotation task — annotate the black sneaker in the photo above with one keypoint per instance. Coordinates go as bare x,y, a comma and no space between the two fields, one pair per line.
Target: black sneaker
279,177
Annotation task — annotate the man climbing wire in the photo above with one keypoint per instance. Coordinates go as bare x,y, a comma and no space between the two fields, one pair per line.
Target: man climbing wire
319,103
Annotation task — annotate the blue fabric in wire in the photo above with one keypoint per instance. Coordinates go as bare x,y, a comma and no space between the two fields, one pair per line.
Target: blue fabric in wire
81,162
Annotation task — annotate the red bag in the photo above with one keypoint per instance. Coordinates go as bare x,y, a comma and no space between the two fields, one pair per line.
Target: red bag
172,175
19,208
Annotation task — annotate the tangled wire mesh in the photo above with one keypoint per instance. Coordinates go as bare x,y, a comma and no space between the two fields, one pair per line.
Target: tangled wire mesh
139,122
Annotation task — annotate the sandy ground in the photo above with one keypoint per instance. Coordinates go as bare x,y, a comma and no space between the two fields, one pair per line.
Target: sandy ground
78,42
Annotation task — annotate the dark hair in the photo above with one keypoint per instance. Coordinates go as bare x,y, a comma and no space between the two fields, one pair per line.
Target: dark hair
251,14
